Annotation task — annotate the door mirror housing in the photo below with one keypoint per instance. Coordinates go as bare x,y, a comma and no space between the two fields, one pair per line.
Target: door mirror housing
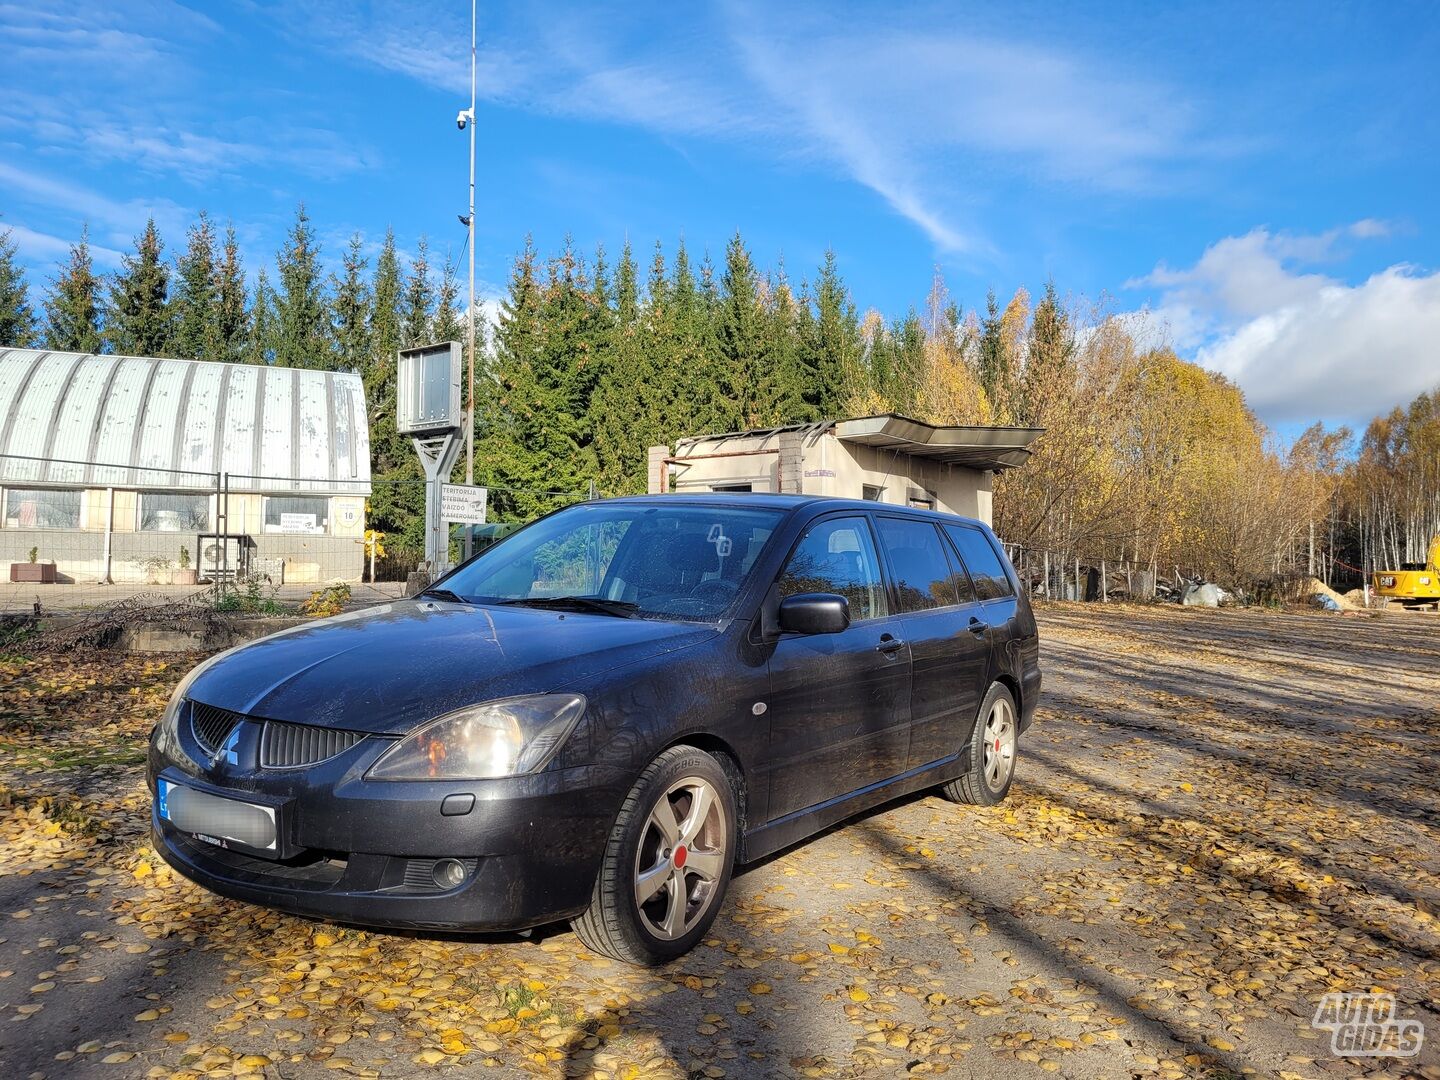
814,613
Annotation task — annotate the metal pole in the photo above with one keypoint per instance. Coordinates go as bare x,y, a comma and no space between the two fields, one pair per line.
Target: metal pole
470,312
109,533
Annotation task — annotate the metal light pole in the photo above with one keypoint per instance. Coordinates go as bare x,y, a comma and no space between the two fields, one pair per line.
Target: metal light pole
470,310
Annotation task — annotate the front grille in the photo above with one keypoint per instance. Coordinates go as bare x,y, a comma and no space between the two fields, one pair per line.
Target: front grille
211,725
292,746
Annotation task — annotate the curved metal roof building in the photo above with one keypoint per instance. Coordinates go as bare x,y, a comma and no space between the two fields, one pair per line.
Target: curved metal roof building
79,419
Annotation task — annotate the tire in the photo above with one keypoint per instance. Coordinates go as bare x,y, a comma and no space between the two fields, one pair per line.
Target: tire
991,770
656,848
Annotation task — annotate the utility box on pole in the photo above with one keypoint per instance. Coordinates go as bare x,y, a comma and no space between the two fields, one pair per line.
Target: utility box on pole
429,410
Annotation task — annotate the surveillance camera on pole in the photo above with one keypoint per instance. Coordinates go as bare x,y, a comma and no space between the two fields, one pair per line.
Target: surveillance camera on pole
463,119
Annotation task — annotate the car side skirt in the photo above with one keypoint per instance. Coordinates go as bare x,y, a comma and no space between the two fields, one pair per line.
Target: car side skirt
792,828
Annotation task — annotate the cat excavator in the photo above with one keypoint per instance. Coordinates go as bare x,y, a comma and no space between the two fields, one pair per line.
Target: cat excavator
1415,584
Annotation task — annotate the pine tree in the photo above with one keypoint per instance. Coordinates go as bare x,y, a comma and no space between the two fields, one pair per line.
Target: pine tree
350,309
835,347
232,317
17,317
993,360
197,296
684,361
448,325
398,495
518,440
302,325
138,318
741,337
72,310
623,412
385,317
1048,358
262,340
782,369
418,305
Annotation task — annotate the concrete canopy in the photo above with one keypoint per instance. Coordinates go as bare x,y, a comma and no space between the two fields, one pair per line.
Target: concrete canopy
974,447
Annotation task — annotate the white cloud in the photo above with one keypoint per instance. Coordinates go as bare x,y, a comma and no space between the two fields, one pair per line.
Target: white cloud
914,116
114,223
1300,343
141,98
39,247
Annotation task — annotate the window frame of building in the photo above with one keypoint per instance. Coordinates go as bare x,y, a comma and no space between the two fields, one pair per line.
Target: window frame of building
865,532
152,497
322,527
10,492
872,493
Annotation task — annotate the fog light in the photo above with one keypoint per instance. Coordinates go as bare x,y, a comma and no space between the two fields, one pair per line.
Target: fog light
448,874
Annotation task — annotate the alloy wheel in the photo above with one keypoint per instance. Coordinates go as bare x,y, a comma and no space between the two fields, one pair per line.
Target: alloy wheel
998,758
681,858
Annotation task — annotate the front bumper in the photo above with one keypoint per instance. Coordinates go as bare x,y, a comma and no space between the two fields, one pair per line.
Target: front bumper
360,851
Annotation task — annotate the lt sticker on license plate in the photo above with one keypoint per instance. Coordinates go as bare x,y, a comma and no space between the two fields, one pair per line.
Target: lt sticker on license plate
215,819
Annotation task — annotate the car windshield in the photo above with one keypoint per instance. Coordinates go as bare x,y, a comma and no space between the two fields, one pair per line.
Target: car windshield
625,560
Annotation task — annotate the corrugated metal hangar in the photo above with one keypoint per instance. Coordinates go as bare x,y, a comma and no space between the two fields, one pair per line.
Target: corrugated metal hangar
110,464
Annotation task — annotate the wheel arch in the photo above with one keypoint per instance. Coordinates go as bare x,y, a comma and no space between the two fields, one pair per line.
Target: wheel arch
729,760
1010,683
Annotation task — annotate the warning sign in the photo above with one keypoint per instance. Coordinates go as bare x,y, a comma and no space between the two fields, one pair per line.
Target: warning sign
463,505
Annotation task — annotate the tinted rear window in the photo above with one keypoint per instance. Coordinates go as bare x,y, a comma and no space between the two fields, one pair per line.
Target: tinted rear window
923,576
982,560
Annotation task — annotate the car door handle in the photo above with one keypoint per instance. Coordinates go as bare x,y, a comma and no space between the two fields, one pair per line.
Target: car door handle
978,626
889,644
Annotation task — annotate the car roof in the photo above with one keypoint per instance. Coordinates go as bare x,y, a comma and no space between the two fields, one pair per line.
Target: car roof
790,503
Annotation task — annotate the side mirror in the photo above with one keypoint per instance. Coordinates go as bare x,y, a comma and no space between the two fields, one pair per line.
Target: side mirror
814,613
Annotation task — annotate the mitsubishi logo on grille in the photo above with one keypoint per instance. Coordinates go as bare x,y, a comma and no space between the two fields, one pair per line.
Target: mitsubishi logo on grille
228,752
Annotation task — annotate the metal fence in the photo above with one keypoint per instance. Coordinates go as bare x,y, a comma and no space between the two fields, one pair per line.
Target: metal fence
76,535
1055,575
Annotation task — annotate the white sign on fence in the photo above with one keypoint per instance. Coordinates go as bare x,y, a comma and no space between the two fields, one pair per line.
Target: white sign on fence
463,505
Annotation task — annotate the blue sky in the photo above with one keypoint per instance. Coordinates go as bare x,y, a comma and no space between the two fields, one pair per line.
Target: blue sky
1260,179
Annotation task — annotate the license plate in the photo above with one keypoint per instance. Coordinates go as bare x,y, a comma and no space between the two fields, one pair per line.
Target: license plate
217,820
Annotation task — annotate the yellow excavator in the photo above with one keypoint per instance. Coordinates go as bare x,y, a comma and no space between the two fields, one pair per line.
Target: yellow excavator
1414,585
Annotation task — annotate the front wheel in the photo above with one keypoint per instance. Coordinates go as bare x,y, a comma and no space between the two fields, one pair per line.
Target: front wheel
667,863
993,748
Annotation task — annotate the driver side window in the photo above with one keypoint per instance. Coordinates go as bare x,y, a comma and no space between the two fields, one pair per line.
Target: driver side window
838,556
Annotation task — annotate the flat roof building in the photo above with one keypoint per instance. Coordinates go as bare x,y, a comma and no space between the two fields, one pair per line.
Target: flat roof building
888,458
109,465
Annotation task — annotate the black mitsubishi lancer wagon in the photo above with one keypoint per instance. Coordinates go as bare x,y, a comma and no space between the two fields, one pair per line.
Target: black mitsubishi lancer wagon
599,717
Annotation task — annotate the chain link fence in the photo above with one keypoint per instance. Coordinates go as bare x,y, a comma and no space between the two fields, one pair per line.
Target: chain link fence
79,535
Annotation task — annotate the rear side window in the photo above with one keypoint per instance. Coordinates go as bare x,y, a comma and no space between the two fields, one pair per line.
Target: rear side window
838,556
923,576
982,560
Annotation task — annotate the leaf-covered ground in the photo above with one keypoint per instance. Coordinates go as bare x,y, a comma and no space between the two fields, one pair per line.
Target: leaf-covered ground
1219,817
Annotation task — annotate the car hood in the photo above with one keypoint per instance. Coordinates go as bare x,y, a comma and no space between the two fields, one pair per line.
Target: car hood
387,668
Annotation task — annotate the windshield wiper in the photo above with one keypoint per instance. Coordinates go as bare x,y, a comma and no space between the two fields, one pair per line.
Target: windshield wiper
445,594
623,609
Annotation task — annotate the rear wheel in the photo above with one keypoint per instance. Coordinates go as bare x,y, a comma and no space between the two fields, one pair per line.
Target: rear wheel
993,748
667,863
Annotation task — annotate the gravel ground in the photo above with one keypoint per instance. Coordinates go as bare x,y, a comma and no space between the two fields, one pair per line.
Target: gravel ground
1219,817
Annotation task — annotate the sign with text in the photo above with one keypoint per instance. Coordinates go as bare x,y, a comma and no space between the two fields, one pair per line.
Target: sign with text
298,523
463,505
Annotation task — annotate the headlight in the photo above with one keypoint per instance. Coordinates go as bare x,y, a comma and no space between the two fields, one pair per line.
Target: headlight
167,731
498,738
